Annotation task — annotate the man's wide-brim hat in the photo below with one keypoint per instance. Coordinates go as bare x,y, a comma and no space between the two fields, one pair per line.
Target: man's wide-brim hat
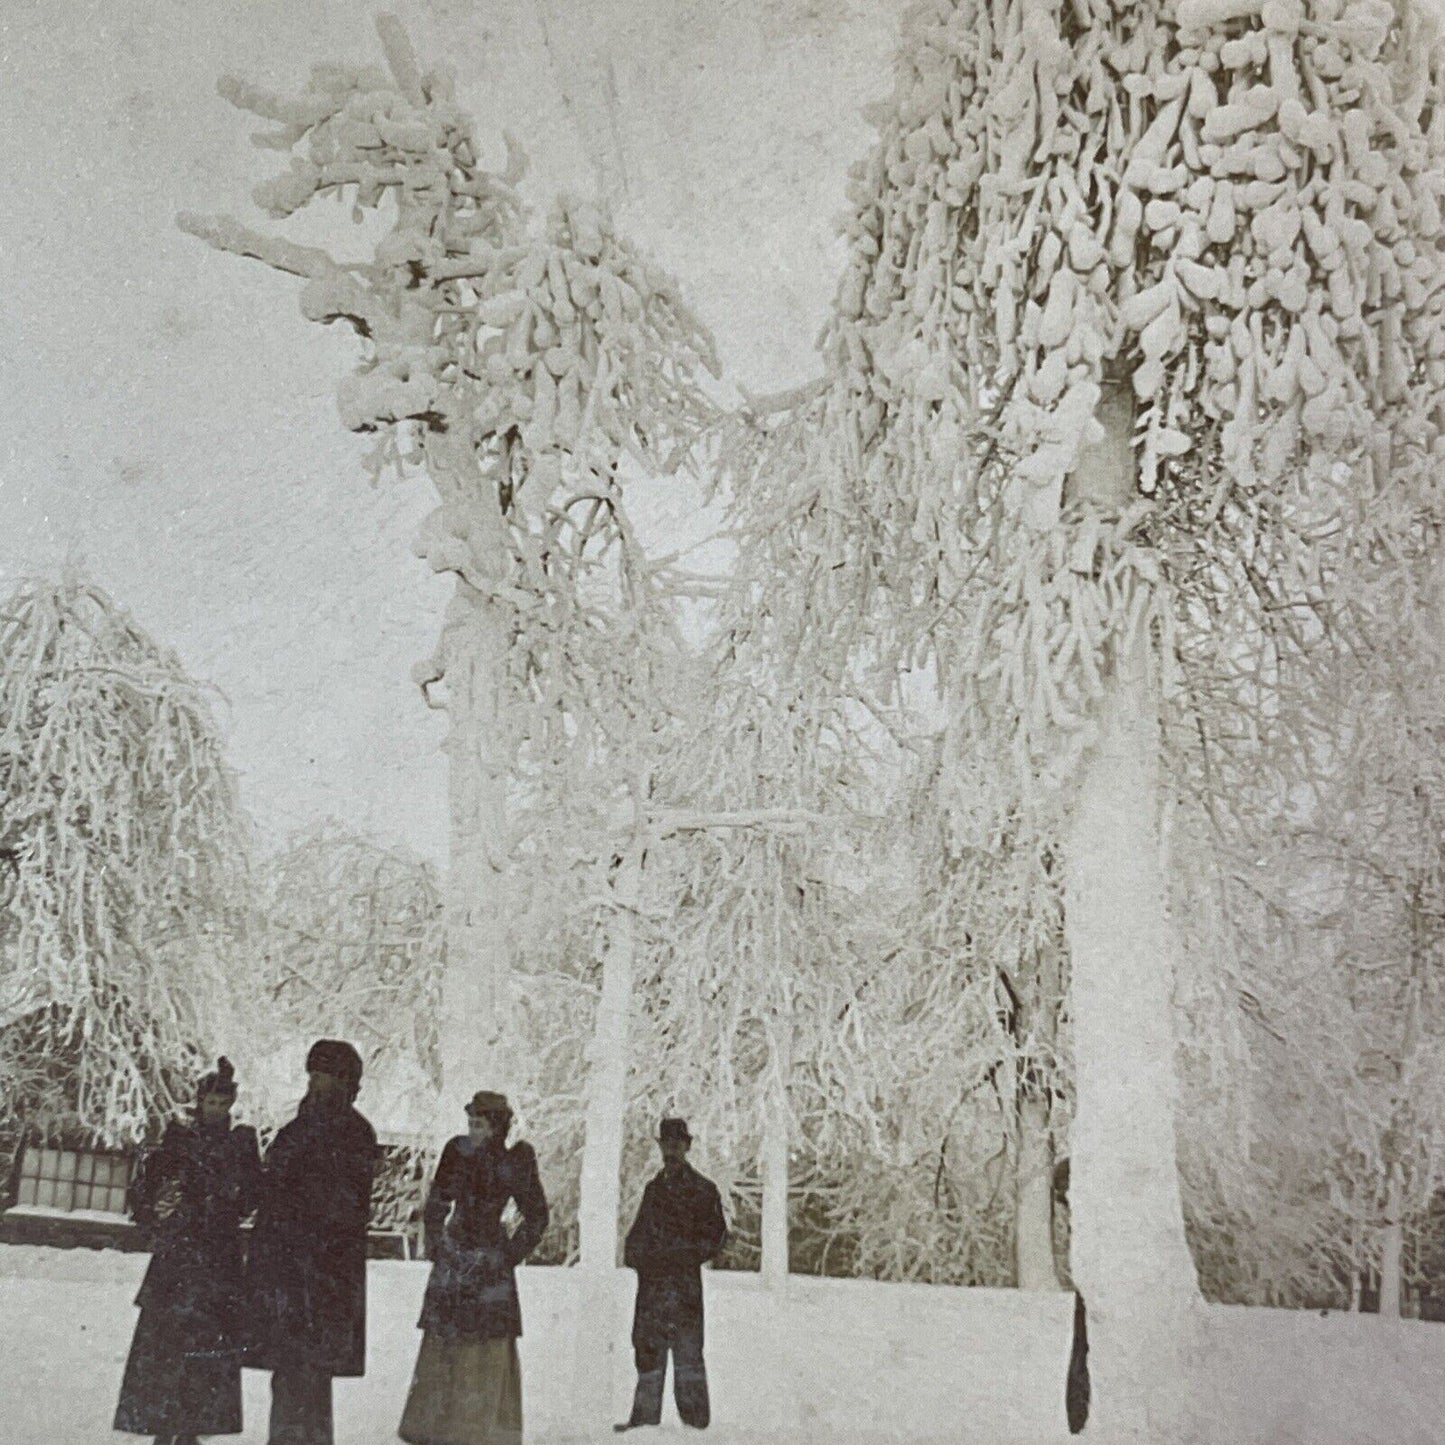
485,1101
334,1057
673,1129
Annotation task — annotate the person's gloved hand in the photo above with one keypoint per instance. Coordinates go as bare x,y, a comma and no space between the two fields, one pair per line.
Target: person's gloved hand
168,1199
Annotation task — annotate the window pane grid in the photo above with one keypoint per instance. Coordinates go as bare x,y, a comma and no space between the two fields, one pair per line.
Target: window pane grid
71,1179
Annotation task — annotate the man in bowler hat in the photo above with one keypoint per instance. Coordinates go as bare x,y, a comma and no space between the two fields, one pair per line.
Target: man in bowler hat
679,1227
306,1272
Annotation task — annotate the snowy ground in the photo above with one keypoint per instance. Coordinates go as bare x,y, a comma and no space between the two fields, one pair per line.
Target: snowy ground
851,1363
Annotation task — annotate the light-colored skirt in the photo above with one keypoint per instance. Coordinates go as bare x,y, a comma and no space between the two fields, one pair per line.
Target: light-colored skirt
464,1392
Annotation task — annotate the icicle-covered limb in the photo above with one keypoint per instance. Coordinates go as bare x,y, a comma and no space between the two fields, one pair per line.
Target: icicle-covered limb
1179,216
225,234
353,941
778,819
1319,883
298,113
401,58
1193,15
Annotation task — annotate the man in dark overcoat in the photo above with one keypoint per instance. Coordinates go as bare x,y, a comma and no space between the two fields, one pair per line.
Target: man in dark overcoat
306,1273
679,1228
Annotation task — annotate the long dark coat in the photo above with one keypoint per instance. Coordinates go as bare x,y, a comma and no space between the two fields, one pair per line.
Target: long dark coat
472,1291
306,1272
183,1373
679,1227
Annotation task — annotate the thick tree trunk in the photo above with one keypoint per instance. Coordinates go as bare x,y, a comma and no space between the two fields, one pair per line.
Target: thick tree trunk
775,1194
472,1032
1034,1197
1129,1260
597,1340
472,1026
607,1074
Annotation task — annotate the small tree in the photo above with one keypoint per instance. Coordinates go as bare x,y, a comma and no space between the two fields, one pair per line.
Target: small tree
123,862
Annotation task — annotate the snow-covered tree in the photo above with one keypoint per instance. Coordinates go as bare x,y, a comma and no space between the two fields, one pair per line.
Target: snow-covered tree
1339,896
1141,325
347,940
348,943
765,937
521,366
1001,904
966,1084
123,863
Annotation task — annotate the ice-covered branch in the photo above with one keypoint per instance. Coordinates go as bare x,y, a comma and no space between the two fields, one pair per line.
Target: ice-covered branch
671,820
401,58
1202,14
226,234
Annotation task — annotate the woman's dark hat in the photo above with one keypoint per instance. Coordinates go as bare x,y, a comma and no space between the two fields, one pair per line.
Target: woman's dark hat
221,1080
671,1129
335,1057
484,1101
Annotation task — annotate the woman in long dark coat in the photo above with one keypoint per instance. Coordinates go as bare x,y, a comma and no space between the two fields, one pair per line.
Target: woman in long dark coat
467,1386
183,1376
306,1274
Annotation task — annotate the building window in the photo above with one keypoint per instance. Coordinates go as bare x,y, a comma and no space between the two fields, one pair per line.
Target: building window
71,1179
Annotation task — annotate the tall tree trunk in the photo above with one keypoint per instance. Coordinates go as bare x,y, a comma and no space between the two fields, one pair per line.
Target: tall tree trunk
1130,1260
775,1192
1392,1245
474,984
476,640
596,1339
1035,1267
1392,1242
607,1073
1034,1196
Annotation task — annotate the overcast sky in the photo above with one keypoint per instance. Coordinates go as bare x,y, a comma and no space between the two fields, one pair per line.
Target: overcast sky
170,418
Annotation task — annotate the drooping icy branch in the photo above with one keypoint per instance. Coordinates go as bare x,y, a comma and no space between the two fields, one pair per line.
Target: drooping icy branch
1234,209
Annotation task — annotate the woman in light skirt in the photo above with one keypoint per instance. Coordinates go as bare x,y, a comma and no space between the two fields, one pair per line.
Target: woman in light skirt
467,1385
